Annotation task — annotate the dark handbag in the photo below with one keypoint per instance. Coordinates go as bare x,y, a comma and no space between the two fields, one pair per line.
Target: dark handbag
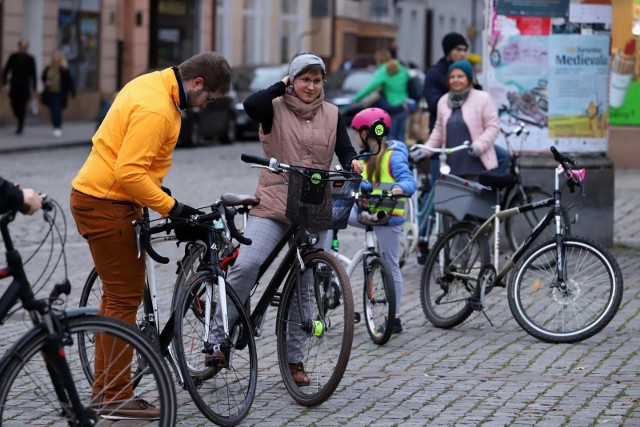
44,97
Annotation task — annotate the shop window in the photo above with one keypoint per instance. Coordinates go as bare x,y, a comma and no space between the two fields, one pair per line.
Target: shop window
78,40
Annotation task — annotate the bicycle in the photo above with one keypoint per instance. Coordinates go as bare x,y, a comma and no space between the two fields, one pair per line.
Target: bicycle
378,291
562,291
229,389
518,228
420,216
26,397
318,311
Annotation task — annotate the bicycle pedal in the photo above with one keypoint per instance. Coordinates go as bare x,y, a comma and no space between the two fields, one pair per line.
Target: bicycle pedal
356,317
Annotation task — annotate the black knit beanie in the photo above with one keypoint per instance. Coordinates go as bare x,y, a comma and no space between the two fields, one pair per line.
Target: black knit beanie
451,40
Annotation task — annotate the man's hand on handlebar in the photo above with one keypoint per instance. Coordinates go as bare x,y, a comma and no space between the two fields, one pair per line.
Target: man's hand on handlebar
186,231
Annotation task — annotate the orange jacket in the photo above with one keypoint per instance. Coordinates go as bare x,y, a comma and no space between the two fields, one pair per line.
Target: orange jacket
133,146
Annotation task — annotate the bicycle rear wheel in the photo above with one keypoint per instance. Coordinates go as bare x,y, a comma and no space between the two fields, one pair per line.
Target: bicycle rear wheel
443,292
379,298
27,396
318,336
573,313
519,227
223,391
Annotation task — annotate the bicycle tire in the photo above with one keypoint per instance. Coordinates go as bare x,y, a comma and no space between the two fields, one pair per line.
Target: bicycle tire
409,241
26,391
326,351
379,301
588,305
444,298
224,394
519,227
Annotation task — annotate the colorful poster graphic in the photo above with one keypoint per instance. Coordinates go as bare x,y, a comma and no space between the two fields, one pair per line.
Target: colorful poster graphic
579,68
517,79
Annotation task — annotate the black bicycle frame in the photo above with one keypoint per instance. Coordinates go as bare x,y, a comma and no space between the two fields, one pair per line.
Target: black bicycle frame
41,316
269,297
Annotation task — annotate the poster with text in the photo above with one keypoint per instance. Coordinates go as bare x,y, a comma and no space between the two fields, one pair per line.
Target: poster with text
578,80
517,77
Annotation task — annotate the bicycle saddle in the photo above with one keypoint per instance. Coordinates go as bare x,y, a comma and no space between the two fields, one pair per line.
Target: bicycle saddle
232,199
496,180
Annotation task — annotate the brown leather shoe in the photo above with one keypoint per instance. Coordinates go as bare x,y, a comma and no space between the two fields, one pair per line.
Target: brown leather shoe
96,401
214,360
300,377
132,409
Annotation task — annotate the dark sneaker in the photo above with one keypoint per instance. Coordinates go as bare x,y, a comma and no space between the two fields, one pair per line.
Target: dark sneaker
132,409
300,377
397,326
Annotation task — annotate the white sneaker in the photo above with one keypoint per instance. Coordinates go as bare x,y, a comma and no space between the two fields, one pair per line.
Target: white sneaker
57,133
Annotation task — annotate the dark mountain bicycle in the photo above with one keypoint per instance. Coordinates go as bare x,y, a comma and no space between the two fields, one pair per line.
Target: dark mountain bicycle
564,290
43,377
224,394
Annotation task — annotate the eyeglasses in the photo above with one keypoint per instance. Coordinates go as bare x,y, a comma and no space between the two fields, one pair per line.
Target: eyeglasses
306,81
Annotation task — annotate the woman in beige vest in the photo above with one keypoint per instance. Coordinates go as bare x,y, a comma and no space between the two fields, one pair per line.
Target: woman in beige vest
297,127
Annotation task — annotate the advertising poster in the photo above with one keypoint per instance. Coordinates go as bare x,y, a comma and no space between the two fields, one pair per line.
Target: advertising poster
578,79
551,74
518,77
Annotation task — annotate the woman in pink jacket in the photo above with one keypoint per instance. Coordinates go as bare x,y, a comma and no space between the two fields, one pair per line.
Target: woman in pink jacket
466,114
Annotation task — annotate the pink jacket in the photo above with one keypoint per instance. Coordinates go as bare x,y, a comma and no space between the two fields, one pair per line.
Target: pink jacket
481,118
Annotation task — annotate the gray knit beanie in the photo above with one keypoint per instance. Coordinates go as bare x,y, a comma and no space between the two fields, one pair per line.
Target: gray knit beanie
301,61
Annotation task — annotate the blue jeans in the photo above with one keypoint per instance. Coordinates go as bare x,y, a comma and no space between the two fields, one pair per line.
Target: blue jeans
55,105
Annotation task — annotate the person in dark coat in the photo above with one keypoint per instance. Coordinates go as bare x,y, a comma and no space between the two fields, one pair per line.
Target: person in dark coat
14,197
22,68
58,84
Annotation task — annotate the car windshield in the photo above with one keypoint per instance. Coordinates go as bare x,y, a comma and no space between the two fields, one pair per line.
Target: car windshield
265,77
356,80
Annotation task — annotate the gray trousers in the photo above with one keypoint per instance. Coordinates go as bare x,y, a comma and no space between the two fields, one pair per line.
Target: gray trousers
265,234
388,237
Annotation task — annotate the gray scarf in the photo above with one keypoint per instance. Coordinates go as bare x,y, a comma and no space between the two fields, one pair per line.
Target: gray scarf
457,98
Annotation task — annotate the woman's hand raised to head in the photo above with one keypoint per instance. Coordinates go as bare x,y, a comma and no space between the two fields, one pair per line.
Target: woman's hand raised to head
285,80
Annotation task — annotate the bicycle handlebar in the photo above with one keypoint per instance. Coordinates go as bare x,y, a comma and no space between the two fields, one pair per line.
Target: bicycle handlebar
574,178
445,150
145,232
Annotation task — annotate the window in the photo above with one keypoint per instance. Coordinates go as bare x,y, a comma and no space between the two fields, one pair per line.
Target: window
289,28
78,40
249,24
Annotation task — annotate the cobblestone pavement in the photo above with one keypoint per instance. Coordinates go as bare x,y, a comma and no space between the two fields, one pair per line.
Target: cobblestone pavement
475,374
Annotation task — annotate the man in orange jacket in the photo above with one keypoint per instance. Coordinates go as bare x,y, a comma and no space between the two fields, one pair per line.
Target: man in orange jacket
131,154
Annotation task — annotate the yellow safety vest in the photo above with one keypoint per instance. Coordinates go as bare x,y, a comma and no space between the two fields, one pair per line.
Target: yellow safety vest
386,183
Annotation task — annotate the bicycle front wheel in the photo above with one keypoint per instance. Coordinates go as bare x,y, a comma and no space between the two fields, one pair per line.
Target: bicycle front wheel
28,397
379,297
223,387
314,340
450,276
575,310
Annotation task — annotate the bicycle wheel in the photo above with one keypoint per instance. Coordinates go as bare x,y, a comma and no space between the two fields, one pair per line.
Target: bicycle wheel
583,308
318,336
443,290
223,391
519,227
409,240
27,396
379,298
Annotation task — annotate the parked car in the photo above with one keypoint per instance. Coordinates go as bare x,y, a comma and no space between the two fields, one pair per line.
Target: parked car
247,80
215,121
225,119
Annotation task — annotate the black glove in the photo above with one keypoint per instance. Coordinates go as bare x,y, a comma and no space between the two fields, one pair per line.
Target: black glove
186,231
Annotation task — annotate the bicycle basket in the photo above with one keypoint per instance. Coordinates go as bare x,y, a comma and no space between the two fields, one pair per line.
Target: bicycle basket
321,199
459,197
375,209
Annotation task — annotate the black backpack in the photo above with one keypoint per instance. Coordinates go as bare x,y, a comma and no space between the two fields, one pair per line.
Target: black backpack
414,88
